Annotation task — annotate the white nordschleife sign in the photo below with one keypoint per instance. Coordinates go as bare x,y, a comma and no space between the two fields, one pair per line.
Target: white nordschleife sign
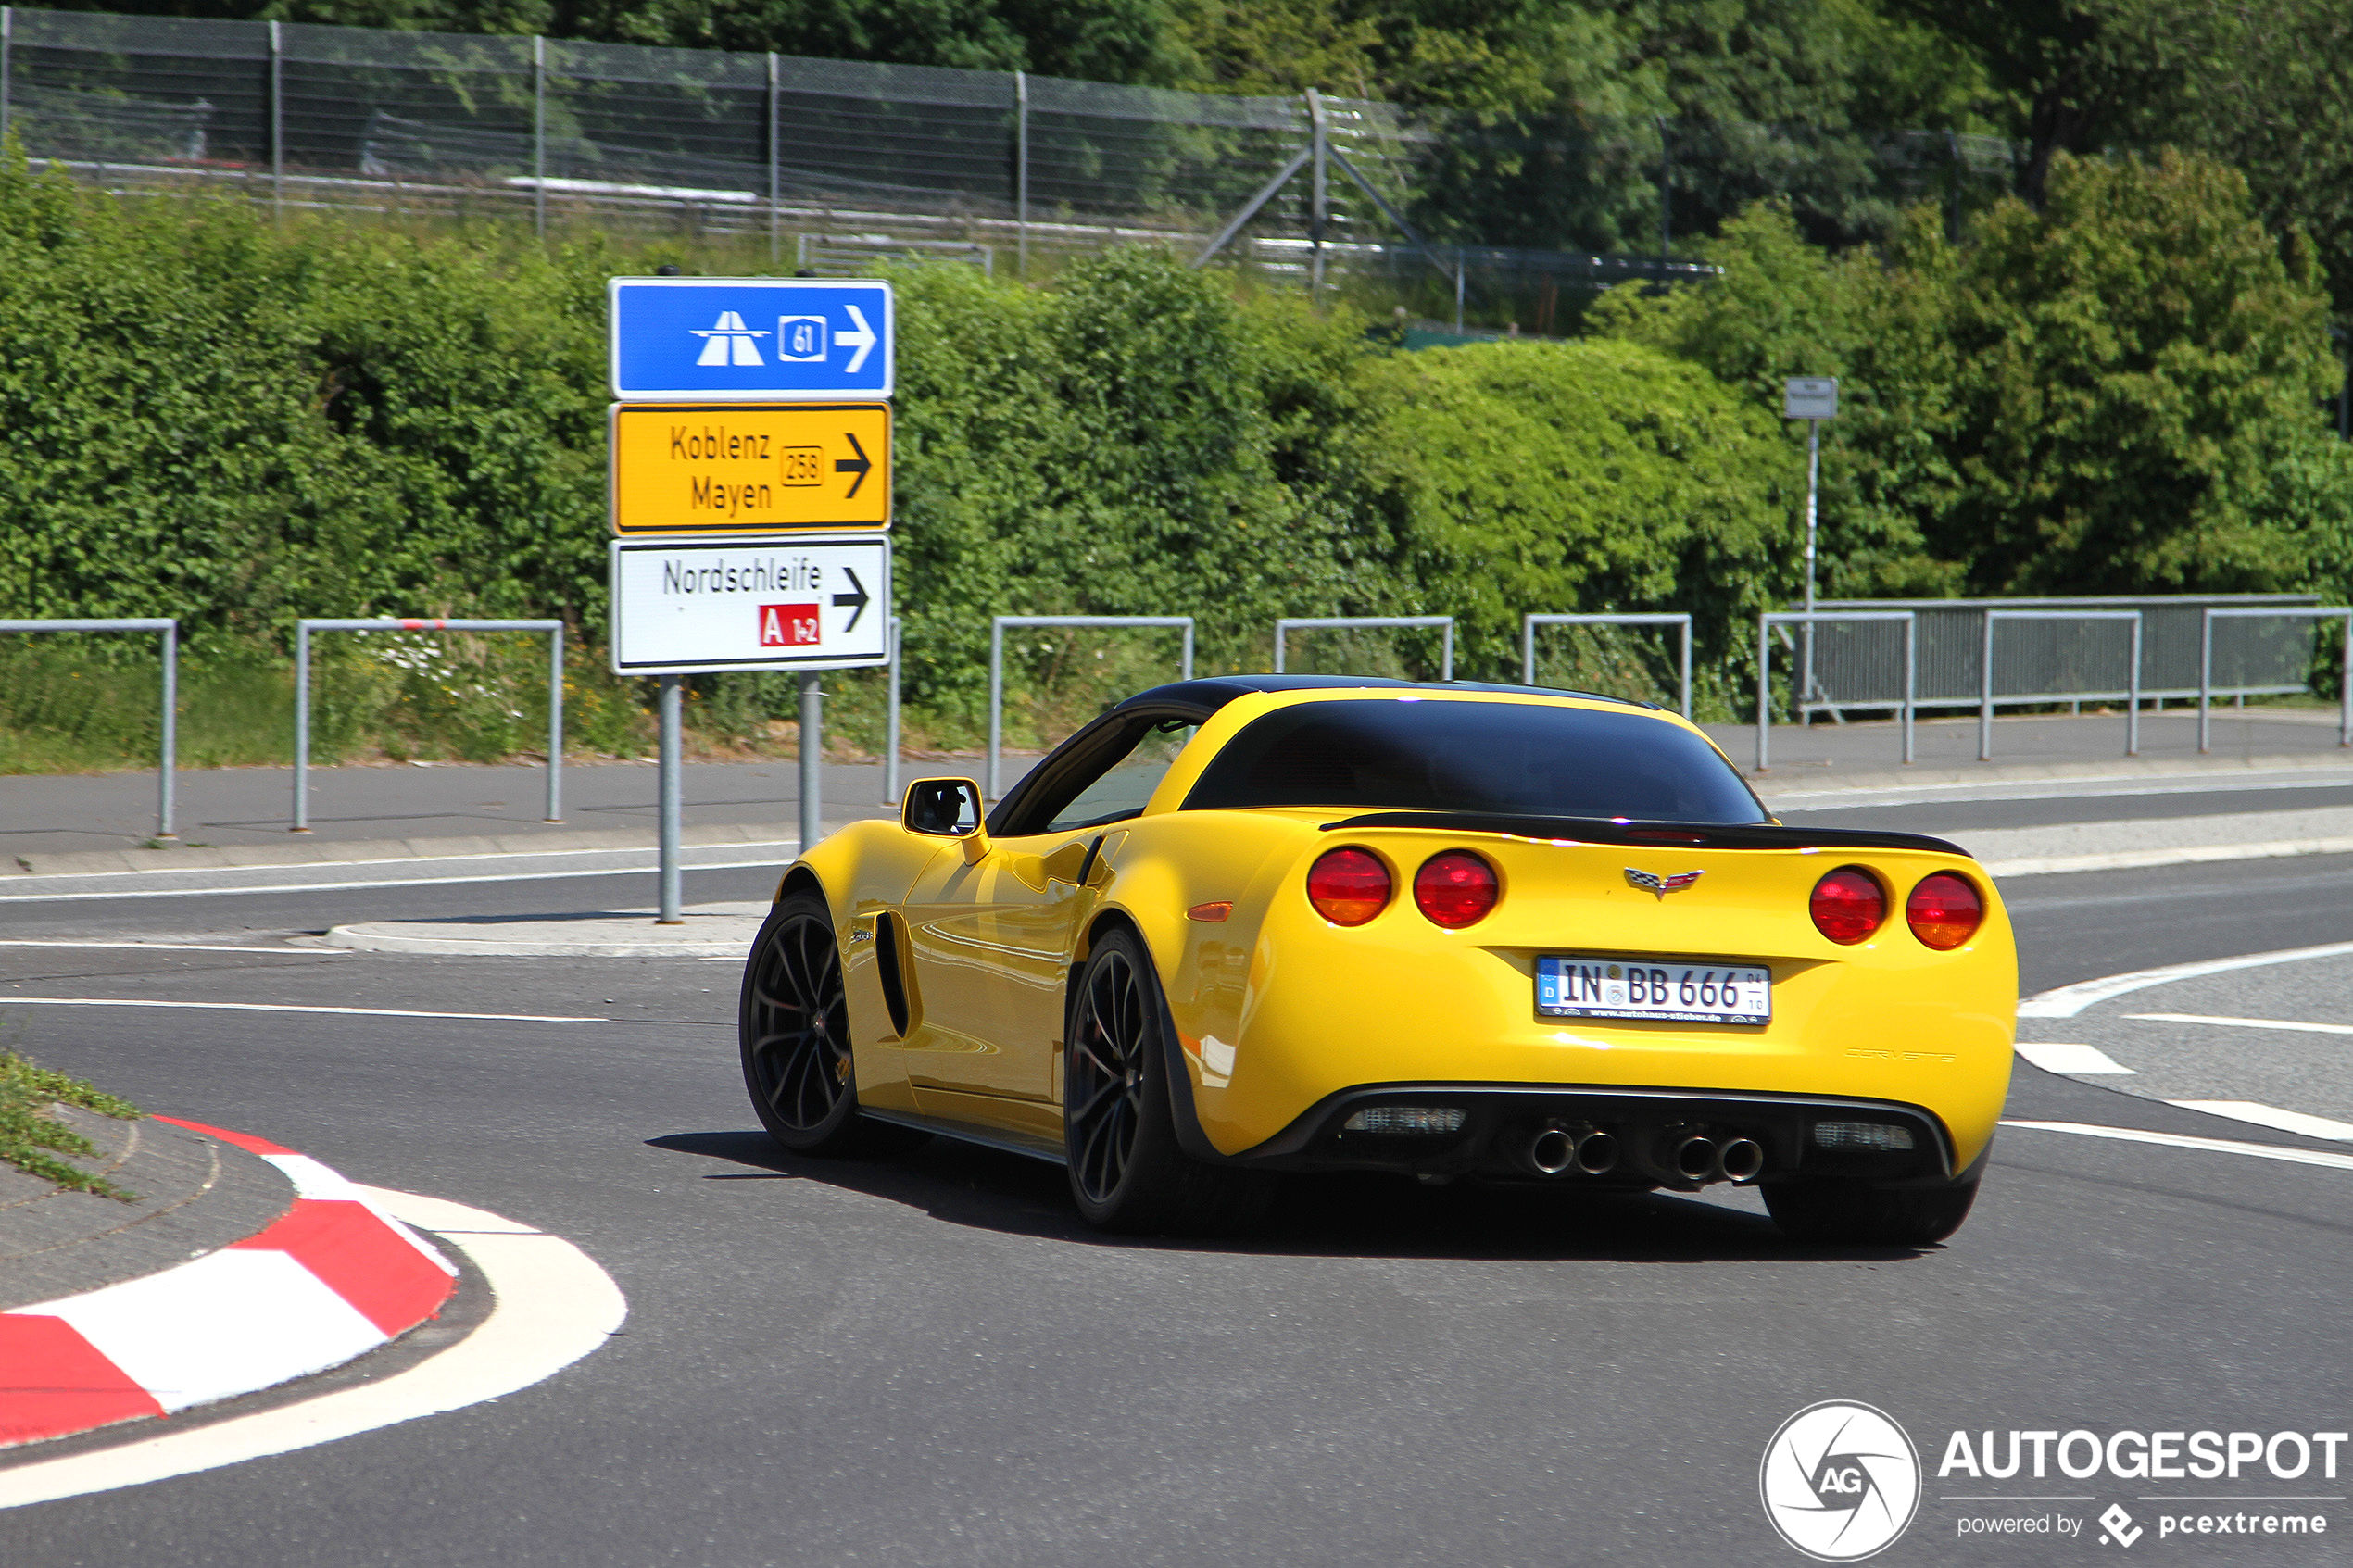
795,603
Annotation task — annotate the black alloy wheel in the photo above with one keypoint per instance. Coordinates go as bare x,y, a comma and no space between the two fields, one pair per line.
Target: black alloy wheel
1103,1096
1127,1171
793,1022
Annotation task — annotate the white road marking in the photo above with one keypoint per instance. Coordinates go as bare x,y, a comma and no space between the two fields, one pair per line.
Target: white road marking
769,862
2053,1057
176,947
554,1305
2272,1116
2177,1140
2245,1023
8,1001
2186,855
2066,1001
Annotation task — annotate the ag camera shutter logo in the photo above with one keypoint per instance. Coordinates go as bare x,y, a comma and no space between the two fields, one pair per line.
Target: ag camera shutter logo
1839,1481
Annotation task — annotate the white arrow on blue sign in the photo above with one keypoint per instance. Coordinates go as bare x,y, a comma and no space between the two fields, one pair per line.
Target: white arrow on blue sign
711,339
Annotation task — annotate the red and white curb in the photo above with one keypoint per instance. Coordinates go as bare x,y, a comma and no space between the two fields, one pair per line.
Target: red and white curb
333,1278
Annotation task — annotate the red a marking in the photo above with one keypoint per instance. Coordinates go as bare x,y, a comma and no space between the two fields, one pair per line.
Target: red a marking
787,626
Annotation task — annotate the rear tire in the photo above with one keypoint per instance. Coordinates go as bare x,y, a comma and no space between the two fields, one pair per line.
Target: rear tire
1127,1175
1853,1213
792,1025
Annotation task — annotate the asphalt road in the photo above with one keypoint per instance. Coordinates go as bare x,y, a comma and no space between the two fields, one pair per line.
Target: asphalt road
928,1361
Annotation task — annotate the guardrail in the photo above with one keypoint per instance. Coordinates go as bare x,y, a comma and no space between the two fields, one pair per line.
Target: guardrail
1906,704
1528,624
2206,662
169,761
1350,622
2132,666
554,629
997,625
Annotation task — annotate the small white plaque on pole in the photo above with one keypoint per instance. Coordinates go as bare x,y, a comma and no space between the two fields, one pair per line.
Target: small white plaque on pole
1809,397
790,603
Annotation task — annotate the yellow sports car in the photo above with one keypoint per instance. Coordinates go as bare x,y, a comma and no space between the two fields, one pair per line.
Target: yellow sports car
1251,924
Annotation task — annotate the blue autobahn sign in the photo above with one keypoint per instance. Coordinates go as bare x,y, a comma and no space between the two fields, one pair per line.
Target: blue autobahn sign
708,340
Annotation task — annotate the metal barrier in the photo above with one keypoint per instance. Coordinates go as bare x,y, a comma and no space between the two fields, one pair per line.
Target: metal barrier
1908,704
890,735
2132,693
1528,624
169,749
997,625
2206,662
302,696
1345,622
1951,641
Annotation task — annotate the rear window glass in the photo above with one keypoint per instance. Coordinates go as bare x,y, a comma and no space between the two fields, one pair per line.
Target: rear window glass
1387,755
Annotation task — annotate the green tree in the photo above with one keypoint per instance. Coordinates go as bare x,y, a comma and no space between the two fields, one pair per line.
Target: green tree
1517,477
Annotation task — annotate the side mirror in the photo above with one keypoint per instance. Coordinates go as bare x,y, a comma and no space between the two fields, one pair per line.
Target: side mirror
941,808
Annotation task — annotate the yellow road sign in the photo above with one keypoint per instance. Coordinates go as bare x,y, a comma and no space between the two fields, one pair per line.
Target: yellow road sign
755,468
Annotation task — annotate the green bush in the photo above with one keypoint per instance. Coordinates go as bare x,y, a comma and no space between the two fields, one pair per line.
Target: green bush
1577,477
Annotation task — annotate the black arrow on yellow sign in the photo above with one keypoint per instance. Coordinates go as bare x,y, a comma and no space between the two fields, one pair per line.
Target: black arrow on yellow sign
860,465
856,601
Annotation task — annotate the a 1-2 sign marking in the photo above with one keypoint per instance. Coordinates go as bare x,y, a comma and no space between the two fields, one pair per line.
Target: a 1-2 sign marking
806,603
750,339
746,468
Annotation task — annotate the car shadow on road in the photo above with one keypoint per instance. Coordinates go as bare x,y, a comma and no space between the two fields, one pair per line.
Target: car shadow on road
1342,1215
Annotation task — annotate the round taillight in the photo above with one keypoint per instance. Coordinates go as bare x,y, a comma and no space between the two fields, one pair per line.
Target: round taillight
1454,889
1348,886
1847,906
1944,910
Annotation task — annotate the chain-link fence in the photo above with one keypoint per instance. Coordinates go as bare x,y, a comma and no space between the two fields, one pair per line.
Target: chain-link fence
862,159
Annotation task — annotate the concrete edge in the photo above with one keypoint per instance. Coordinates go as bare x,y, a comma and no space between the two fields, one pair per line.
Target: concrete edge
1827,784
362,941
361,851
335,1277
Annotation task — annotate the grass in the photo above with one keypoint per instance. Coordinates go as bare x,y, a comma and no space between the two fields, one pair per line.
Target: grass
31,1139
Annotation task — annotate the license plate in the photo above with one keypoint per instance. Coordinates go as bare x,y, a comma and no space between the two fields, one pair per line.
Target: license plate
1676,991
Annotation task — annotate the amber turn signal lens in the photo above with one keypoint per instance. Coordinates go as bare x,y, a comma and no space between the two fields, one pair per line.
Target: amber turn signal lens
1454,889
1348,886
1847,906
1944,910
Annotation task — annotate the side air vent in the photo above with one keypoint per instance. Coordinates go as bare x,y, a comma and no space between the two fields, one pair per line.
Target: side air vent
894,984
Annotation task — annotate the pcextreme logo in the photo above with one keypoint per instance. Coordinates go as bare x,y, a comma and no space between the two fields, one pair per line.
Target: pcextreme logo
1839,1481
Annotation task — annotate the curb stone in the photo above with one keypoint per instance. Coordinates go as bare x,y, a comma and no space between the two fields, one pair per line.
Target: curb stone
333,1278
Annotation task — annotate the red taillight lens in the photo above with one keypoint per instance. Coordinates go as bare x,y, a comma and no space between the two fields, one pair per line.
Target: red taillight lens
1348,886
1847,906
1944,910
1454,889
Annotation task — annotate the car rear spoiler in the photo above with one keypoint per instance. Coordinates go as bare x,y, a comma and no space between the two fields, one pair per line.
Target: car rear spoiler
1689,835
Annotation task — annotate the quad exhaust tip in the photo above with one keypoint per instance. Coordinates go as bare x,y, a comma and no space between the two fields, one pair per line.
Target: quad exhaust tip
1741,1159
1696,1157
1556,1151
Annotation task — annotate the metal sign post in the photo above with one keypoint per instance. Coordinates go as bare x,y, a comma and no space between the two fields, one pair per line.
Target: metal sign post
1813,399
683,608
735,413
